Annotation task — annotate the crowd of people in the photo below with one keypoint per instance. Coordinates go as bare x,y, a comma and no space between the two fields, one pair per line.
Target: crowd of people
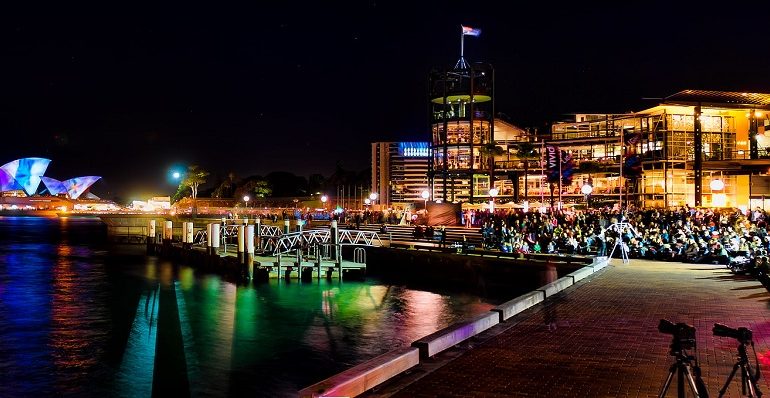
725,236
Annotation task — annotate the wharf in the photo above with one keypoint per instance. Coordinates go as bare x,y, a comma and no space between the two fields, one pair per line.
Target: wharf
600,338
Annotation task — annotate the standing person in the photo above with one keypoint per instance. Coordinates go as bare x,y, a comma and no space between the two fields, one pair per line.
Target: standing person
442,243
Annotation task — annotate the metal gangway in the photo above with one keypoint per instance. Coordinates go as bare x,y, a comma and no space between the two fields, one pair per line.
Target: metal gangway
230,232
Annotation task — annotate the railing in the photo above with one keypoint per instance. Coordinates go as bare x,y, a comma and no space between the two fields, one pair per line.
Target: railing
305,239
359,255
226,231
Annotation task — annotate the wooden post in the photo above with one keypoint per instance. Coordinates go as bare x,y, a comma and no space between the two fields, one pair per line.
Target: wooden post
208,238
241,243
150,236
215,237
249,243
190,234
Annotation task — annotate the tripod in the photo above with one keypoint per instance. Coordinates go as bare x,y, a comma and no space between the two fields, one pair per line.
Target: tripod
684,369
748,379
619,228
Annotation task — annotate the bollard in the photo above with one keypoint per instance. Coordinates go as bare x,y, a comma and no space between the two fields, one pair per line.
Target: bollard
258,233
299,225
286,224
245,221
241,243
335,241
168,231
208,238
184,235
150,236
215,237
249,241
190,234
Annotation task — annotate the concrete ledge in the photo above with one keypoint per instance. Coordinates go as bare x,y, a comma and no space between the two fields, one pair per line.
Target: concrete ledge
365,376
600,262
434,343
556,286
581,273
519,304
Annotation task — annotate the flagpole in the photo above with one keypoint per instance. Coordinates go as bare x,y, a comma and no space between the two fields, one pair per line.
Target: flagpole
542,171
620,181
558,206
462,42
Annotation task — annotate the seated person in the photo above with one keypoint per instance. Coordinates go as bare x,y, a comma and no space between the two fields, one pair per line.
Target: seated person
417,233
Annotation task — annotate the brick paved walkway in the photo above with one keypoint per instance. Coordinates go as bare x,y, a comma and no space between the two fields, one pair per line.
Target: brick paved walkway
600,338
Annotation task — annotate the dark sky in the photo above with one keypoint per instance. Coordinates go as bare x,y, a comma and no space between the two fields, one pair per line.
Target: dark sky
125,90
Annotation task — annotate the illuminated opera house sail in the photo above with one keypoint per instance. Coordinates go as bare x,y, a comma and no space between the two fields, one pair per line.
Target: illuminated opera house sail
24,175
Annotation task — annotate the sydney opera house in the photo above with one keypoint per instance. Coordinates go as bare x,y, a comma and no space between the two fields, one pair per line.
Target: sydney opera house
20,188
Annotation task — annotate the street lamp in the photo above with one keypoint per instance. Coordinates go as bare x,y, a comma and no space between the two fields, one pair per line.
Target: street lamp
425,195
176,175
587,190
492,193
246,199
324,198
367,201
718,199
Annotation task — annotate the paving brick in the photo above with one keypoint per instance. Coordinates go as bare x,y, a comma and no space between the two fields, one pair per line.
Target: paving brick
599,338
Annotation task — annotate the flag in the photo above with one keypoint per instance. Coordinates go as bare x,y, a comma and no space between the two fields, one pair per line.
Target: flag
552,158
468,31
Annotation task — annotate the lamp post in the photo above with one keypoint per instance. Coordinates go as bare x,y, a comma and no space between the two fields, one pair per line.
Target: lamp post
324,198
587,189
492,193
718,199
246,199
425,195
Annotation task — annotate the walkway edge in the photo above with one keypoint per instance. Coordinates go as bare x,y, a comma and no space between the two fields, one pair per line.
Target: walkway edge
367,375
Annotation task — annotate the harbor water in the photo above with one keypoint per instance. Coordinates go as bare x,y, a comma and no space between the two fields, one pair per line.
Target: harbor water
80,317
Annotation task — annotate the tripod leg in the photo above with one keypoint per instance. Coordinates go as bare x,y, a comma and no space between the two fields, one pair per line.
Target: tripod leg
670,377
729,379
749,382
691,382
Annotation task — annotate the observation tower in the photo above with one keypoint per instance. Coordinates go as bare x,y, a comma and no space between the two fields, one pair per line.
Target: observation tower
462,121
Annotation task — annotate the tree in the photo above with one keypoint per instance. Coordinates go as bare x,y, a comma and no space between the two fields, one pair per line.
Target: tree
227,188
526,151
193,178
255,188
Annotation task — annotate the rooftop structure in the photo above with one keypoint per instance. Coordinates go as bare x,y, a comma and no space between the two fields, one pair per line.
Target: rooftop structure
25,175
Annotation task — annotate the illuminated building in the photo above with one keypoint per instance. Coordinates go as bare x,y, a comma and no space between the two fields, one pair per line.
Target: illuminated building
400,172
696,147
461,102
20,180
72,188
26,172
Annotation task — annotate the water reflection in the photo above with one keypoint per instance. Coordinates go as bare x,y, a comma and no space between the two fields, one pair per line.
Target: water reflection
74,321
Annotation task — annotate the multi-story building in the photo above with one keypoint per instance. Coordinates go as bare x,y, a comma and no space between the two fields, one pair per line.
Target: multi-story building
400,172
701,148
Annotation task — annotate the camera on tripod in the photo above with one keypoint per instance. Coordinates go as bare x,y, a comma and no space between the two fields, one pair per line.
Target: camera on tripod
743,335
683,334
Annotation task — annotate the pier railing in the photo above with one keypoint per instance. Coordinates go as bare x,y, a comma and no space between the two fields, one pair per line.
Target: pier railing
306,239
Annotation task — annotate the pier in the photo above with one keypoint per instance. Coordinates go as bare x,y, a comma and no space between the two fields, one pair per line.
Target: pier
257,251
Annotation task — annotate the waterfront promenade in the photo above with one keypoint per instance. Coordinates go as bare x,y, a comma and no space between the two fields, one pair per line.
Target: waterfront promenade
600,338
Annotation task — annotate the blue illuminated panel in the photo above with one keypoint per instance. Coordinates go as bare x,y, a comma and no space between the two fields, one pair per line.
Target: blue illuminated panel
55,187
414,149
7,183
27,172
76,186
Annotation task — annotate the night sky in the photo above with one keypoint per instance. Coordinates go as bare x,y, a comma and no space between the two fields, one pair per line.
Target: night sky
126,91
